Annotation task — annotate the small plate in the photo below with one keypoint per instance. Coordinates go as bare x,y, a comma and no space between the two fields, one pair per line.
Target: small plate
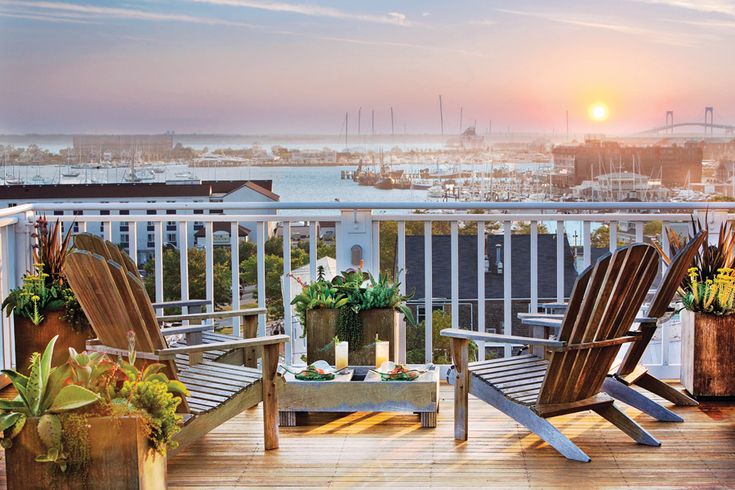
316,371
405,374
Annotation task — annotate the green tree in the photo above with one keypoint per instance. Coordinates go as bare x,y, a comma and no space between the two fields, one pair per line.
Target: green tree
652,229
601,237
197,275
524,228
415,336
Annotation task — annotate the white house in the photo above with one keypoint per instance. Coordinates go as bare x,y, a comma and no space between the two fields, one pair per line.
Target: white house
153,193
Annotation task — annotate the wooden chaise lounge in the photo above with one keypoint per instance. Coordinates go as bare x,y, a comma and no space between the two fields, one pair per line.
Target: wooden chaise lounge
248,316
530,389
630,371
115,301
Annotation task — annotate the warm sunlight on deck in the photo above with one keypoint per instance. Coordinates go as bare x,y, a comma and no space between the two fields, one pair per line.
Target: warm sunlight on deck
392,450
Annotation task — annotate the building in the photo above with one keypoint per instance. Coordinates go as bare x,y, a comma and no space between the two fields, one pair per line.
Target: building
675,165
494,276
123,146
620,186
152,193
220,235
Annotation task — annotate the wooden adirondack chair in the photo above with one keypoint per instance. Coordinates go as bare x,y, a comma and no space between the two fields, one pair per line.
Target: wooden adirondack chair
530,388
630,371
249,316
115,301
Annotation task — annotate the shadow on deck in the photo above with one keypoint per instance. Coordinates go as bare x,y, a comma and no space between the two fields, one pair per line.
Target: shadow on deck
366,449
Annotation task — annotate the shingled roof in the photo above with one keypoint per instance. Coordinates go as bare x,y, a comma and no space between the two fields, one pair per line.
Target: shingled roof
206,188
520,267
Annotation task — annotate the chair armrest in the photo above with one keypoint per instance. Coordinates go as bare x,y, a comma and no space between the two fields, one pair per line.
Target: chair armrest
189,329
171,352
214,314
182,303
551,321
457,333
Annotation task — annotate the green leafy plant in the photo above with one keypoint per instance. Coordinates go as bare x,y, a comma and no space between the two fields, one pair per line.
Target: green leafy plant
44,394
365,292
316,295
89,385
45,288
708,286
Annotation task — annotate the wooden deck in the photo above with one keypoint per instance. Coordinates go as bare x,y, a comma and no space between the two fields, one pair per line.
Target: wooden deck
392,450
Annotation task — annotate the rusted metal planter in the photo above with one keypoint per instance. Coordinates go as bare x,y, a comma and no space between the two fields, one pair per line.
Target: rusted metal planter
708,354
30,338
321,327
119,458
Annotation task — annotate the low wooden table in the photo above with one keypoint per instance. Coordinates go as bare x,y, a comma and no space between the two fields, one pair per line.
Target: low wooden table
361,390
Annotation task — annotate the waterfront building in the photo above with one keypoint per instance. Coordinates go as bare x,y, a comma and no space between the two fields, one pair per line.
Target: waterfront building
152,193
675,165
620,186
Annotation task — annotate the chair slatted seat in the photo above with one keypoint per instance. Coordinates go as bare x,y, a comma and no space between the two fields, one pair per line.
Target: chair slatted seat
115,301
249,317
531,388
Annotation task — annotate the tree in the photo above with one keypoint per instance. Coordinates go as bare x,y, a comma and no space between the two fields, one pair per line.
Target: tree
197,275
524,228
652,229
415,335
601,237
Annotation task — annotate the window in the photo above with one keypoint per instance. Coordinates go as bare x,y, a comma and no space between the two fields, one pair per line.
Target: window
172,238
151,244
124,238
105,212
58,213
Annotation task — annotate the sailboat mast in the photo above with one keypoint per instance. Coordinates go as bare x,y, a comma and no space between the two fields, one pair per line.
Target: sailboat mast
441,113
346,126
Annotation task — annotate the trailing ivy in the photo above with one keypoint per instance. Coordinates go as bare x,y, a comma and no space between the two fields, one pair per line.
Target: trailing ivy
349,326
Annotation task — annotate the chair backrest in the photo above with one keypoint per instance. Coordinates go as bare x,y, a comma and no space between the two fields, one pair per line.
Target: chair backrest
604,301
114,301
664,295
105,248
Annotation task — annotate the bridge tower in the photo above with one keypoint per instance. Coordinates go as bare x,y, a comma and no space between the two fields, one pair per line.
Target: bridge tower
709,120
669,122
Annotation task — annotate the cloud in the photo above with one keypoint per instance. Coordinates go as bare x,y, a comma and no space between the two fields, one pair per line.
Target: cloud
661,37
394,18
725,7
43,18
483,22
54,11
93,11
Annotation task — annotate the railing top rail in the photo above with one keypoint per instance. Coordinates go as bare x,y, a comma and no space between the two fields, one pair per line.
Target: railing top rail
495,217
349,206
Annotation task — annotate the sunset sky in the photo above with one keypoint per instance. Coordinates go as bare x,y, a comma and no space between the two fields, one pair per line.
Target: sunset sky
254,66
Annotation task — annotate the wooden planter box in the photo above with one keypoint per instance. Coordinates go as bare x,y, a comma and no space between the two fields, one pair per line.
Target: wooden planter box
30,338
708,354
120,458
321,327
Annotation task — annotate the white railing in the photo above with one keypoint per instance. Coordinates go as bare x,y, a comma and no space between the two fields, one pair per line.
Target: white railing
356,224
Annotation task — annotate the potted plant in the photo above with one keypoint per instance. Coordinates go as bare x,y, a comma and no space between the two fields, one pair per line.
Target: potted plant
708,320
91,422
44,305
355,307
317,306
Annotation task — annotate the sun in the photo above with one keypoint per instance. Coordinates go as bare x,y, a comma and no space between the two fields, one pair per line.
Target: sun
599,112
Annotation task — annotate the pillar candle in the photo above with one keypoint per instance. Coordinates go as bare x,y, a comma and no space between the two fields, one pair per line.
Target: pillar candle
341,350
381,352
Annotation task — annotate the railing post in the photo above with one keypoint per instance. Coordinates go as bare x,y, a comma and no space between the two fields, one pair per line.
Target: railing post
507,286
355,235
401,277
23,244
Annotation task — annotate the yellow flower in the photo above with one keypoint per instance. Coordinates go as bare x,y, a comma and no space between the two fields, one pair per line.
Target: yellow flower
35,297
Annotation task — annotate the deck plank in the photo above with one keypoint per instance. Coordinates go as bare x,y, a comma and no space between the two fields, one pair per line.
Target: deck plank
365,450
